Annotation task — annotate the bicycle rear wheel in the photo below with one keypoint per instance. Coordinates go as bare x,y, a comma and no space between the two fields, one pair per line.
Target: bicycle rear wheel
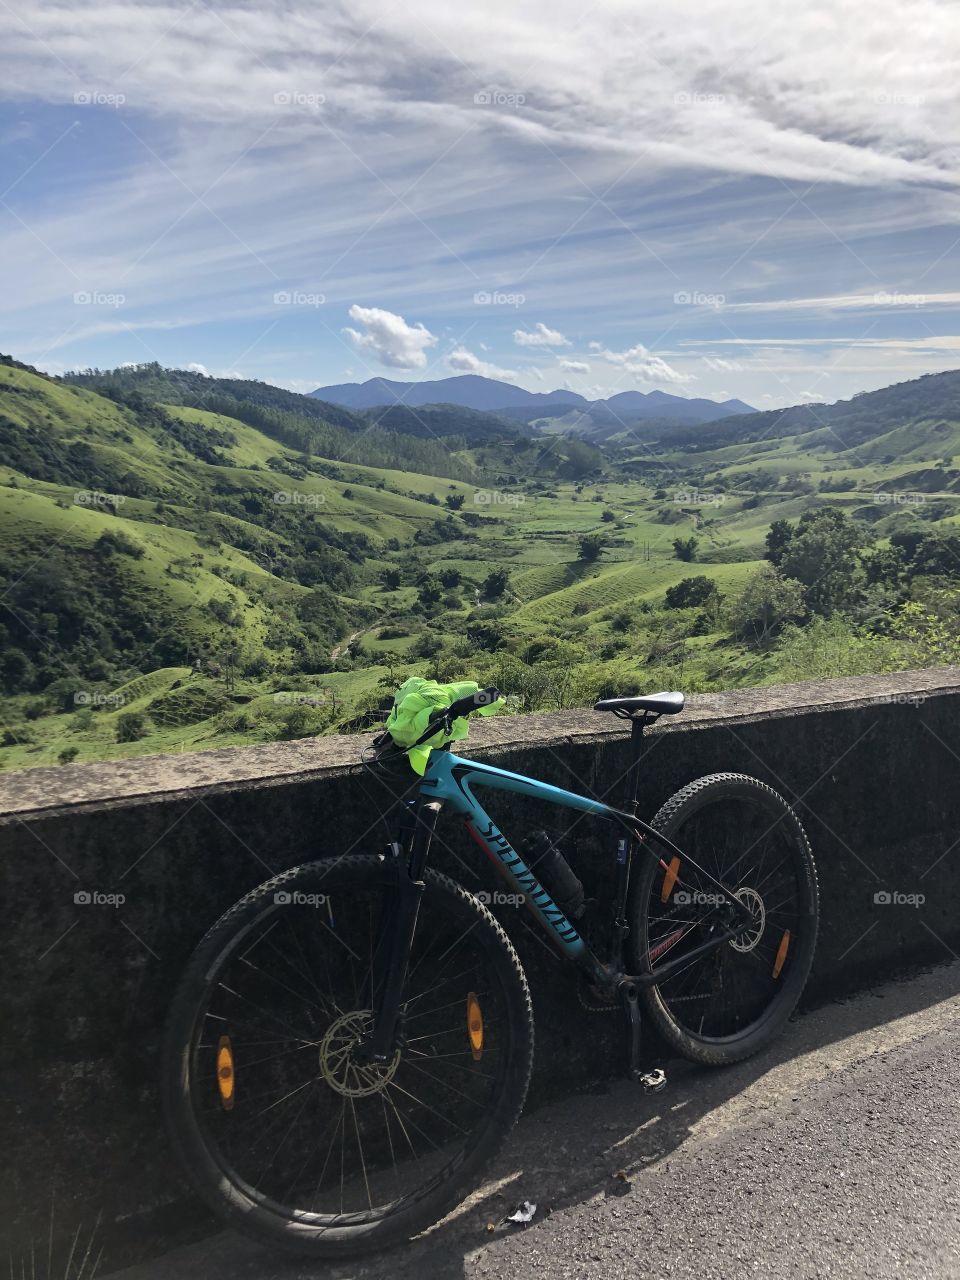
281,1131
728,1004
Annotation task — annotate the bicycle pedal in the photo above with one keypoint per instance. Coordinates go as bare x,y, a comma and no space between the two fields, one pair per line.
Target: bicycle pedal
653,1081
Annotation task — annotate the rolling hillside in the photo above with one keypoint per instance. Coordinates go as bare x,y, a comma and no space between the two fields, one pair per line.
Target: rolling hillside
193,562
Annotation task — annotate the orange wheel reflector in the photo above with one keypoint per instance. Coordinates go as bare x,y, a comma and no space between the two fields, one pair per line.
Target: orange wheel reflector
781,953
670,879
226,1080
474,1026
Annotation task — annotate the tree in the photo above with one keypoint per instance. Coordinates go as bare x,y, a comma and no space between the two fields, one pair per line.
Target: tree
685,548
485,635
590,547
767,601
779,535
391,579
938,555
454,501
824,554
450,577
608,516
690,592
495,584
429,591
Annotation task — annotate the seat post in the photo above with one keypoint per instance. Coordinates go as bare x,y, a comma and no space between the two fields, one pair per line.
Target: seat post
637,724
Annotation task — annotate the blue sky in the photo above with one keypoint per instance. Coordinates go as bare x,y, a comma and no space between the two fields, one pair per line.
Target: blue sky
738,199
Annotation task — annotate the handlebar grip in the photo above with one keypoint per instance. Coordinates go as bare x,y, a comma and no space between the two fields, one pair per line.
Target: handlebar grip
473,702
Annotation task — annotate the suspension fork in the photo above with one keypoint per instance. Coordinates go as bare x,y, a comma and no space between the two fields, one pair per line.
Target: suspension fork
407,859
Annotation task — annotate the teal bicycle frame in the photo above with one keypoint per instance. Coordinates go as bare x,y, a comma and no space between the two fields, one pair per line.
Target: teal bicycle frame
450,779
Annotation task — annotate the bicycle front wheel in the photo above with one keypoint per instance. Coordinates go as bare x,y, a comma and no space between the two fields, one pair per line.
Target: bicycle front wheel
728,1004
282,1131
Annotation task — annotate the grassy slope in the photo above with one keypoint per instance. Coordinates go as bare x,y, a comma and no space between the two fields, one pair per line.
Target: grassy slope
535,536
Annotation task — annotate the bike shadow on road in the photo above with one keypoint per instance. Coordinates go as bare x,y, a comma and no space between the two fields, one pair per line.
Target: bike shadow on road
610,1140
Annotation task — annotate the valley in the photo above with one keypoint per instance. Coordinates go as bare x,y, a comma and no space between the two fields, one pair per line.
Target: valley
193,562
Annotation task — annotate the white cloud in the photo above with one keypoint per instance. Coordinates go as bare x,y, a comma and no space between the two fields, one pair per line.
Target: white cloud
575,366
194,367
884,299
722,366
464,361
646,366
540,336
397,344
227,106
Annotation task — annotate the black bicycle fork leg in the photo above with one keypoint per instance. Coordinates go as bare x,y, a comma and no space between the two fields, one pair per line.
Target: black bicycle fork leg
400,923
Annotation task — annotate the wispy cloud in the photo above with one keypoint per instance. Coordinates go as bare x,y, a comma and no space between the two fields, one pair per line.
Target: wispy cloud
202,159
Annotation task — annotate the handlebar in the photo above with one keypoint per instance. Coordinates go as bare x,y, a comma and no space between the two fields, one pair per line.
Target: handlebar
446,716
462,707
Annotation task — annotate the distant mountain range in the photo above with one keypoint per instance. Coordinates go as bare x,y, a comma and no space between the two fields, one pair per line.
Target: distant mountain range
470,391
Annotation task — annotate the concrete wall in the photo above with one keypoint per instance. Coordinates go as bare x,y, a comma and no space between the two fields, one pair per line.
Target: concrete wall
871,764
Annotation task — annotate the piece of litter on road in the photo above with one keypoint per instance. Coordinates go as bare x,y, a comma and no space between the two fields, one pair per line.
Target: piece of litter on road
523,1213
654,1081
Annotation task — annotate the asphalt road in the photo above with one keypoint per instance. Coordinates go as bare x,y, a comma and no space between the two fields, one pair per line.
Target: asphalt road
837,1154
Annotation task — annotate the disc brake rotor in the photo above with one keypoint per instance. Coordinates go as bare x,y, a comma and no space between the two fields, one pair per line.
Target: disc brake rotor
345,1076
747,940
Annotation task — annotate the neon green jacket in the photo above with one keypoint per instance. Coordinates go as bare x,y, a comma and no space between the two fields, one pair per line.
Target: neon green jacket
415,702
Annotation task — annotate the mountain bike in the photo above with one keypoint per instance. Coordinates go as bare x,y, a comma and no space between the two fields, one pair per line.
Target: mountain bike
351,1043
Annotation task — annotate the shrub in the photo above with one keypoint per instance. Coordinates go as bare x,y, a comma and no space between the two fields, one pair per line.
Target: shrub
131,726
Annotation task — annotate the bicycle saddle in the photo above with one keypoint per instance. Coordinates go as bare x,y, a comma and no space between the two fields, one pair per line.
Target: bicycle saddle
667,704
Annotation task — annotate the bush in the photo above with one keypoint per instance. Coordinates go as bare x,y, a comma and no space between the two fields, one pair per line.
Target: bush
131,726
68,754
685,548
689,592
116,542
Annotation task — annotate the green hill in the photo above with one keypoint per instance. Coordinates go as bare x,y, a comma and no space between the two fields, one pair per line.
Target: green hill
192,561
